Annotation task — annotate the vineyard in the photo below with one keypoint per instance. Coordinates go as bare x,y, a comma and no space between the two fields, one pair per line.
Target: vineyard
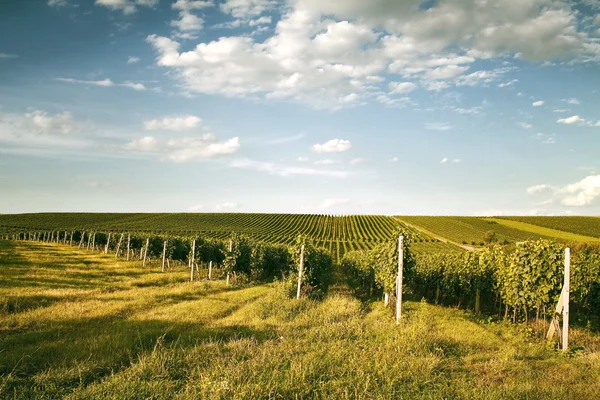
338,234
589,226
471,230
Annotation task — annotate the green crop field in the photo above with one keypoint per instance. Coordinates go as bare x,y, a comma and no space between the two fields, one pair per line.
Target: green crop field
471,230
338,234
81,325
588,226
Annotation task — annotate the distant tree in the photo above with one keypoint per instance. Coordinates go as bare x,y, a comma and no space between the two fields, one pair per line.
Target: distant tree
490,237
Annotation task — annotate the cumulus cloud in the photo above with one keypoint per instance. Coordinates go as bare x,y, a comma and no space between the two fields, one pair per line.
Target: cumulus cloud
575,119
285,170
173,123
331,203
104,83
573,101
126,6
402,87
332,146
538,103
133,60
185,149
578,194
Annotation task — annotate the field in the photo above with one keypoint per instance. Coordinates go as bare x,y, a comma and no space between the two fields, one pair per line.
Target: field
471,230
589,226
338,234
80,325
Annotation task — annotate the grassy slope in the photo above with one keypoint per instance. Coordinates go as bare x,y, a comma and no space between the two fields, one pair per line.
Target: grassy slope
82,326
589,226
562,235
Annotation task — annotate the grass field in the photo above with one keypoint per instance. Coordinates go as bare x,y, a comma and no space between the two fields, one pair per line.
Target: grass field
77,325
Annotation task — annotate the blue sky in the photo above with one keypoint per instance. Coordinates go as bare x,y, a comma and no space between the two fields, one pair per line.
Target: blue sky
467,107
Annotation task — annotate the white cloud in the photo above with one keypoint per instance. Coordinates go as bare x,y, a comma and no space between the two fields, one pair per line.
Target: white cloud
185,149
186,5
126,6
60,123
525,125
57,3
173,123
561,110
331,56
394,159
402,87
188,22
575,119
597,124
468,111
145,144
538,189
332,146
581,193
325,162
302,159
193,148
247,8
226,206
507,84
330,203
538,103
573,101
285,170
104,83
5,55
438,126
197,207
359,160
446,160
132,60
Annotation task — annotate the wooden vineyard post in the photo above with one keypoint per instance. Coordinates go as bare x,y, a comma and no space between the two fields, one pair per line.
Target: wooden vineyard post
164,255
230,250
93,241
119,245
566,286
81,240
562,306
300,271
399,279
65,239
71,239
107,243
210,270
146,251
89,240
128,244
192,261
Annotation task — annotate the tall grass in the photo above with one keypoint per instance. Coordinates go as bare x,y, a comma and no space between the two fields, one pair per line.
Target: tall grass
82,326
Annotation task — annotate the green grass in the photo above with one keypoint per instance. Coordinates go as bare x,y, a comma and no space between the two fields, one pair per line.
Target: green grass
471,230
587,226
527,227
77,325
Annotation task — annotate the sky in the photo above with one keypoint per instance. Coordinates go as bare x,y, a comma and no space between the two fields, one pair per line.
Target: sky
447,107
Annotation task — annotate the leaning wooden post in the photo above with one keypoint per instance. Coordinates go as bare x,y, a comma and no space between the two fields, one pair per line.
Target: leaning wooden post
300,271
146,251
399,279
192,263
164,255
89,240
81,240
119,245
566,286
107,243
128,244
